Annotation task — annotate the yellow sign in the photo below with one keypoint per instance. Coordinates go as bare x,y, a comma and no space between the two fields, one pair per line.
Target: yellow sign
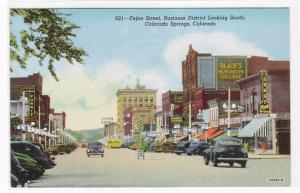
30,93
264,105
176,119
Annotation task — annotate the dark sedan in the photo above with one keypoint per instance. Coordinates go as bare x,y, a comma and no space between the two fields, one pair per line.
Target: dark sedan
226,150
197,147
33,151
182,146
94,148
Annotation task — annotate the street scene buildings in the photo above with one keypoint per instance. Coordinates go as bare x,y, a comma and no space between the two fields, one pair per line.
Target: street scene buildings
171,107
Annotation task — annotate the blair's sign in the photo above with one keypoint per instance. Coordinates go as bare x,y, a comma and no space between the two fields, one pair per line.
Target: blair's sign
264,105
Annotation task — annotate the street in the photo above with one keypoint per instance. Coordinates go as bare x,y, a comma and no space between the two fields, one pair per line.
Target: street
121,168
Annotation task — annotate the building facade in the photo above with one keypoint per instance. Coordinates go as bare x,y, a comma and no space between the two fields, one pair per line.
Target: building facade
142,101
266,98
172,108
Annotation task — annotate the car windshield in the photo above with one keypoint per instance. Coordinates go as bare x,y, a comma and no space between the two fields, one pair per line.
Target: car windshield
229,142
94,144
194,144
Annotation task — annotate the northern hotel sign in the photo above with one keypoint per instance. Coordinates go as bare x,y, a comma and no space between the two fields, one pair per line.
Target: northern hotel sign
230,69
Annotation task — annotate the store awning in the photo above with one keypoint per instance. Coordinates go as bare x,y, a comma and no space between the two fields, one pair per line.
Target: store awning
261,126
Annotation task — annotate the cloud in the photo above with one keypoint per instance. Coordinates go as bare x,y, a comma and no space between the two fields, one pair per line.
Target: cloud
216,43
85,98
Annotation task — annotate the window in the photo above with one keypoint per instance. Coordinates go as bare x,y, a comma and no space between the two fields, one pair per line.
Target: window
146,99
151,99
124,99
135,99
140,99
141,105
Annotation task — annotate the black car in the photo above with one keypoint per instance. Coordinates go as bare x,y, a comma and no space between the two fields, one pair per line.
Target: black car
33,151
197,148
226,150
181,147
94,148
50,160
19,175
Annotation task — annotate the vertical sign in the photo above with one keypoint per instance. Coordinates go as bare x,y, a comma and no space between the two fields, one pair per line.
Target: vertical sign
264,105
30,93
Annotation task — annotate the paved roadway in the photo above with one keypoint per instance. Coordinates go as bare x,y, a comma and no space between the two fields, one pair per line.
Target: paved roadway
120,168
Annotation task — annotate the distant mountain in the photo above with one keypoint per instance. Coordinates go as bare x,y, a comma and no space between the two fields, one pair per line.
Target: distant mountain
87,135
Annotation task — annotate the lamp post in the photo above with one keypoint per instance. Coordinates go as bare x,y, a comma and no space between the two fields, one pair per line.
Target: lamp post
45,133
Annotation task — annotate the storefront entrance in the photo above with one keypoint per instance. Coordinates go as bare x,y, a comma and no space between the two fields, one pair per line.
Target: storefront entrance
283,139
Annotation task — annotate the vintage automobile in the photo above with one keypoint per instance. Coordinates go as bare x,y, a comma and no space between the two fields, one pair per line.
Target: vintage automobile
18,171
226,150
197,148
59,149
94,148
46,153
114,143
33,151
181,147
33,168
168,146
127,143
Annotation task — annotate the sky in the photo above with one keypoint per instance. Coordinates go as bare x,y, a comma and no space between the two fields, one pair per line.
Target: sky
120,52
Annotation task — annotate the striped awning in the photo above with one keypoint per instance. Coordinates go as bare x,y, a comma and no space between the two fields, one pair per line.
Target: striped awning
259,126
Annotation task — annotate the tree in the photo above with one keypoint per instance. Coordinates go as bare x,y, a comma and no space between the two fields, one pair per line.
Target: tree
48,38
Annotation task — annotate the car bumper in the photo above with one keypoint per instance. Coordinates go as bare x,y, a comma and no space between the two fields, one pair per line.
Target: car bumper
231,159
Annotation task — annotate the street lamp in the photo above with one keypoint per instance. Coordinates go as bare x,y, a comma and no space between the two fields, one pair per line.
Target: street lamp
45,133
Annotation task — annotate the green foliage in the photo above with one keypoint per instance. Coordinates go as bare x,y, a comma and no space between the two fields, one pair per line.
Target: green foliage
48,38
87,135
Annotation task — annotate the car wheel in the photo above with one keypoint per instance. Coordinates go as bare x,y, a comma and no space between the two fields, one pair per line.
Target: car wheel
102,155
215,161
231,164
243,164
54,153
206,161
189,154
178,153
88,155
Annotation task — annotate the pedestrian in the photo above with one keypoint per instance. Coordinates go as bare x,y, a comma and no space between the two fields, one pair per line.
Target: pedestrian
246,147
264,146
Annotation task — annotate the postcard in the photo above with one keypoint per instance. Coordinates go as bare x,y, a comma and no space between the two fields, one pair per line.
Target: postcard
150,96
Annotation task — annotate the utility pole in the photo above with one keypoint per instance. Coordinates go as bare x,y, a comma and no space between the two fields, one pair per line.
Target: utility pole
228,114
23,117
190,120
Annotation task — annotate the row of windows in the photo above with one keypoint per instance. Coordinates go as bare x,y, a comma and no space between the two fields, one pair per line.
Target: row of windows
140,105
136,99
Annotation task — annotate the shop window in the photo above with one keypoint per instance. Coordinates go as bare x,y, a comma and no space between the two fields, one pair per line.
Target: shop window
283,124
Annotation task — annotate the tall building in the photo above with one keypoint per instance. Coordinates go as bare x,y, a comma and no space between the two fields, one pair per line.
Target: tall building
172,109
205,77
142,101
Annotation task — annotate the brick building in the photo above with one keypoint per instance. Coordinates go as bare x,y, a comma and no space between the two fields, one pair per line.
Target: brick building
272,86
172,108
32,85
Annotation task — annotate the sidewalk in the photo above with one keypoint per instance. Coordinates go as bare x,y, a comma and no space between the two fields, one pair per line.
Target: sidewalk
267,156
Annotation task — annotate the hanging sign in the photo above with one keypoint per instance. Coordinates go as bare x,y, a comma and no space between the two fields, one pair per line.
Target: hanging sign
264,105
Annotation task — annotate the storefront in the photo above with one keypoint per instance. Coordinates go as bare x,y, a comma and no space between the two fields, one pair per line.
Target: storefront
259,135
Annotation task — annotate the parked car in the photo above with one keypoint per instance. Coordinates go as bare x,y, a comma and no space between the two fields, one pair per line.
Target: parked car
34,169
114,143
46,153
226,150
18,171
60,149
181,147
33,151
72,146
152,146
158,146
94,148
127,143
14,182
197,148
168,146
135,146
